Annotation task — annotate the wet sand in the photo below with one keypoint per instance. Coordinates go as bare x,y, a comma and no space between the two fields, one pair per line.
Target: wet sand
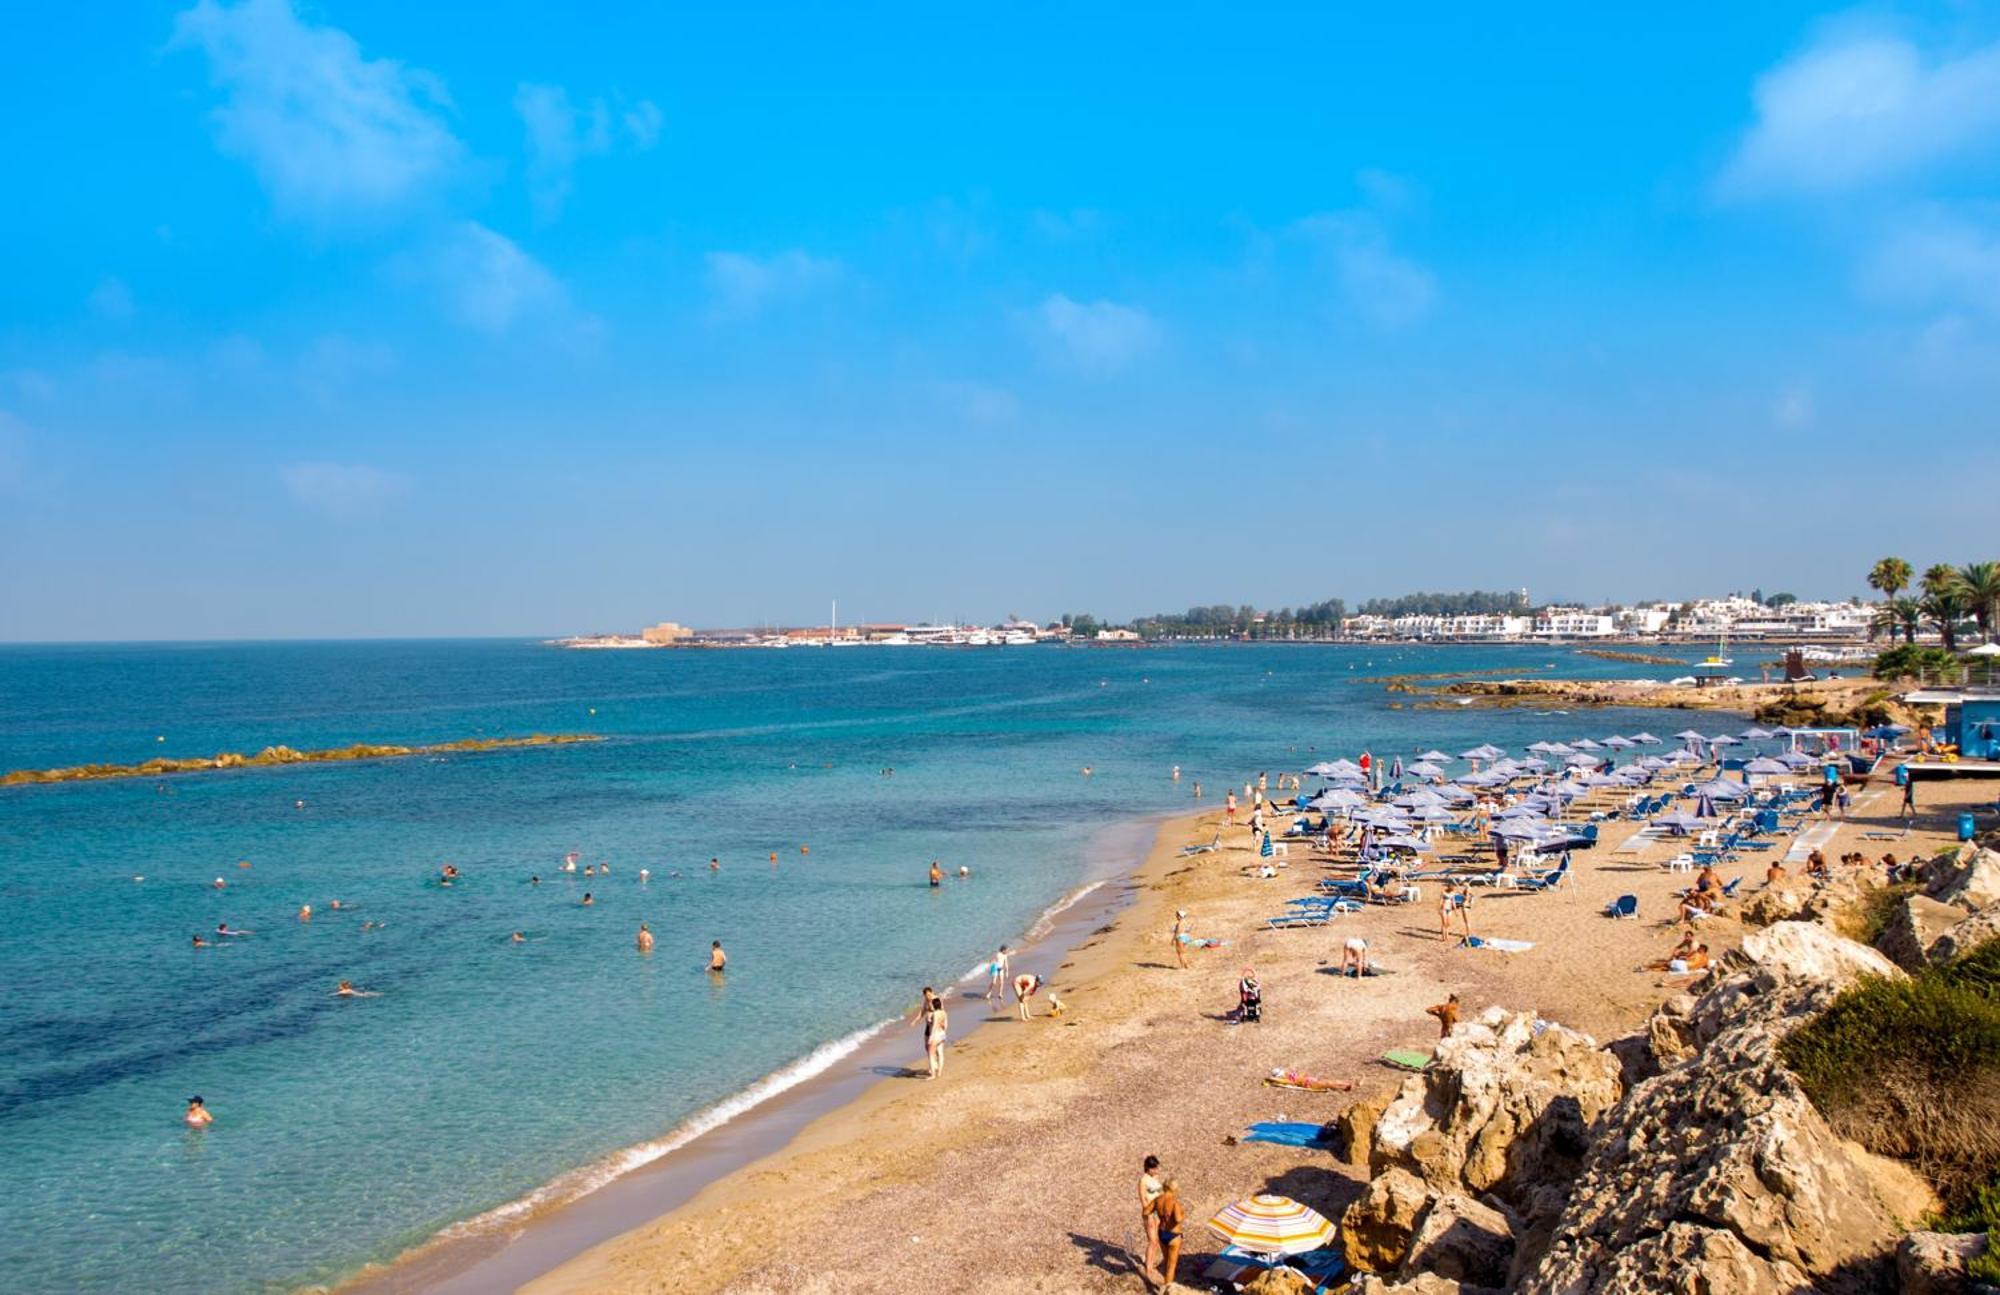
1016,1171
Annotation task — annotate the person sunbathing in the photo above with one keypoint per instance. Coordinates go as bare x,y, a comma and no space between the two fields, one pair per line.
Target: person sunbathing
1707,881
1775,873
1679,955
1695,906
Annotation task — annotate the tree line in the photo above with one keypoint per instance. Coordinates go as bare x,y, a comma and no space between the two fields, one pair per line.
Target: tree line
1946,598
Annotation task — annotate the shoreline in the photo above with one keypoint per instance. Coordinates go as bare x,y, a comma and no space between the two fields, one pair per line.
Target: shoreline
559,1221
898,1190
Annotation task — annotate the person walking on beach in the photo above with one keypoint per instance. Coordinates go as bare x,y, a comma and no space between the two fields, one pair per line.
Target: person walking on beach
1150,1186
718,961
996,975
1229,804
1454,899
645,940
1908,809
1180,937
936,1021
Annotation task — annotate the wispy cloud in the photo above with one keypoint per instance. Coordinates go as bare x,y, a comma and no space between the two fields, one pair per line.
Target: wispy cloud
559,133
1096,336
1856,108
345,492
111,300
1385,288
742,285
331,133
488,283
1936,255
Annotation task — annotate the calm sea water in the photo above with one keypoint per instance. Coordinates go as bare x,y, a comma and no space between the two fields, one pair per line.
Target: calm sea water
348,1130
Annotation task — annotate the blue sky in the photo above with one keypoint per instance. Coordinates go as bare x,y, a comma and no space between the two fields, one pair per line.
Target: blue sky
357,318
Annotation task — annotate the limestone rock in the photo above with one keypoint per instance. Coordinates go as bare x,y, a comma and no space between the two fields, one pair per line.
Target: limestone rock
1505,1108
1807,951
1356,1126
1670,1031
1720,1171
1933,1263
1421,1284
1376,1227
1915,927
1773,904
1975,884
1463,1240
1278,1281
1963,937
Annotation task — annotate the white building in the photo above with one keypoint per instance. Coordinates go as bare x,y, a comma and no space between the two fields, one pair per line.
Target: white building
1574,623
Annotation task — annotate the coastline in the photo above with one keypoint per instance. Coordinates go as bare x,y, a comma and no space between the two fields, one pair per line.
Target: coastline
522,1239
1013,1173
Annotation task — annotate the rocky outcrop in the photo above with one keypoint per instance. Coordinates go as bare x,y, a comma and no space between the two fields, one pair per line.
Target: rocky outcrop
1356,1126
1719,1170
1774,904
1917,924
1505,1108
1462,1240
1933,1263
1967,935
1972,884
1376,1228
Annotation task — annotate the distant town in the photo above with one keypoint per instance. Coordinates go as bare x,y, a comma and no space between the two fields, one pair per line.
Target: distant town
1476,617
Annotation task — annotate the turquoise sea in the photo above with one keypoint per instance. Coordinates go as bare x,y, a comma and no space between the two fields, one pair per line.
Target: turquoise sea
351,1129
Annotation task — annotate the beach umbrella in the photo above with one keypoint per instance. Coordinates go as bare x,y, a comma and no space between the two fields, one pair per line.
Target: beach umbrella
1603,780
1645,739
1756,734
1543,747
1581,761
1558,748
1585,744
1338,798
1396,769
1272,1225
1435,757
1680,821
1431,814
1343,769
1722,789
1652,762
1704,805
1689,735
1534,764
1616,743
1320,770
1795,759
1988,650
1723,739
1425,769
1411,844
1765,764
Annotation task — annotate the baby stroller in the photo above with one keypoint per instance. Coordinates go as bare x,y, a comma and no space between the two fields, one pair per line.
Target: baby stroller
1249,1000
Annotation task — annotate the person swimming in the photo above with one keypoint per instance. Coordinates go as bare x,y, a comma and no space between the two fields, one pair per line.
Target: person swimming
535,879
346,989
645,939
589,870
198,1115
715,865
645,875
717,959
200,943
222,928
588,899
518,937
305,912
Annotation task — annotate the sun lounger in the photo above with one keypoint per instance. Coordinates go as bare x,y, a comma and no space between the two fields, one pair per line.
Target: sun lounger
1210,848
1623,906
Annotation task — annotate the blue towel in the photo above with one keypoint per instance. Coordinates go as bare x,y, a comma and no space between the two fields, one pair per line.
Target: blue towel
1287,1134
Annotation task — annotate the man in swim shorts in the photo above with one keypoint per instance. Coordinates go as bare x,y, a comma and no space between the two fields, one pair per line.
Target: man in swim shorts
996,975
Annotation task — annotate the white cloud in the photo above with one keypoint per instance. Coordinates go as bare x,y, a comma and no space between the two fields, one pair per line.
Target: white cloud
1858,108
559,133
742,285
111,300
343,491
1096,336
1939,256
489,283
1385,288
330,133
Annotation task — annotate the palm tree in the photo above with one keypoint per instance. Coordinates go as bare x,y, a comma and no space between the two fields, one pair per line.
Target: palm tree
1891,576
1898,614
1943,608
1978,586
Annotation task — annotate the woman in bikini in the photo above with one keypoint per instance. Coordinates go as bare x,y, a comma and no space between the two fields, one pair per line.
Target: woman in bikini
936,1021
1150,1187
1170,1216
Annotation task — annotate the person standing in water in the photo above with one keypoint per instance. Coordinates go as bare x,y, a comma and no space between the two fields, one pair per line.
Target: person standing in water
996,975
645,940
718,961
937,874
198,1115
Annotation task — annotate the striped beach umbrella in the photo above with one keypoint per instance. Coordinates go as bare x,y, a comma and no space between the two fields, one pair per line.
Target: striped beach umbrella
1272,1225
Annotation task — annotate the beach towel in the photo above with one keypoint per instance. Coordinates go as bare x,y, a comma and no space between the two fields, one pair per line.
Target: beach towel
1287,1133
1406,1058
1504,946
1310,1083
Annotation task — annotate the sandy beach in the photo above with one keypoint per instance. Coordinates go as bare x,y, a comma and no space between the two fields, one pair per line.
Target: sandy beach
1015,1171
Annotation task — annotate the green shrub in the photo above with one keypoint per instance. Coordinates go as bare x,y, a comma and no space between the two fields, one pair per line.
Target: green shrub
1913,659
1871,914
1911,1069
